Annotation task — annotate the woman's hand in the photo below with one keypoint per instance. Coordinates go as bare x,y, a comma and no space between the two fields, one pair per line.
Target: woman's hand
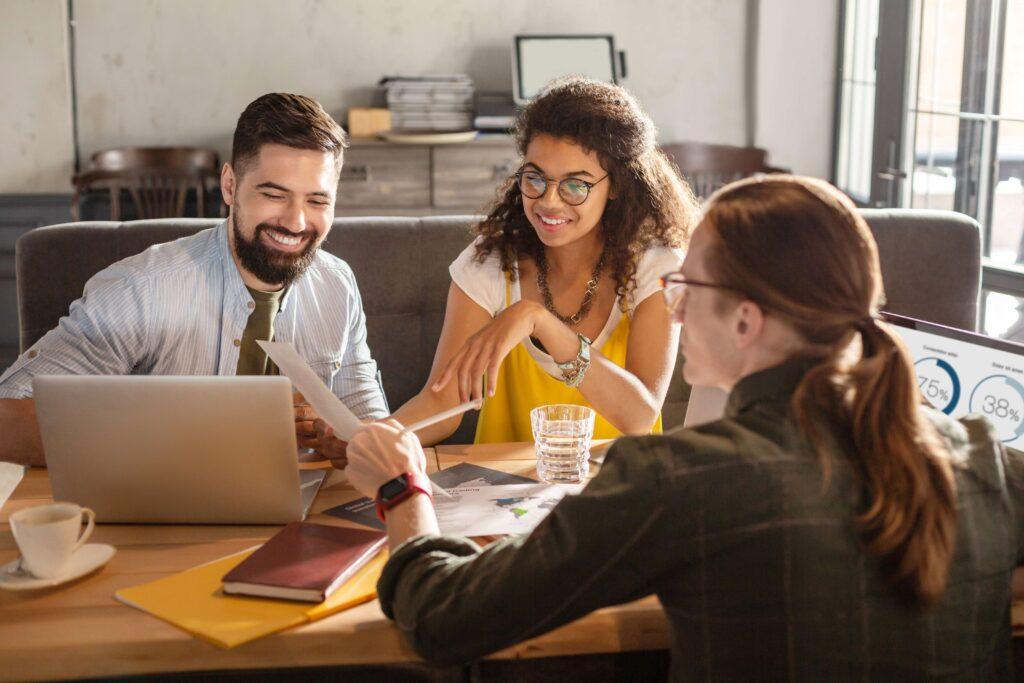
379,452
484,351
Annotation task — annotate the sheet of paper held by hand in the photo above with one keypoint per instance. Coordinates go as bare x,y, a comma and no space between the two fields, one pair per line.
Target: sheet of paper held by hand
326,404
484,510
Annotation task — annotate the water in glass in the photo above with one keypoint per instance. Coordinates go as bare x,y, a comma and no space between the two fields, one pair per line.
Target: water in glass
562,435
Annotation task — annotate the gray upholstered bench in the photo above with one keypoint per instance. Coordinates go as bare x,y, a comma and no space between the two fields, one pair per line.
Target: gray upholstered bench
931,262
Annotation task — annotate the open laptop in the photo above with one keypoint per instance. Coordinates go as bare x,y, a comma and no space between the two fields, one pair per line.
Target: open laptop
958,372
175,450
962,372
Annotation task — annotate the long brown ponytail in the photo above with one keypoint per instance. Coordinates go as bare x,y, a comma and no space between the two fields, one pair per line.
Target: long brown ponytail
802,252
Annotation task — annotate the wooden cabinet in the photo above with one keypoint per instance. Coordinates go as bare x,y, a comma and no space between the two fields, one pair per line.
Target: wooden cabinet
385,176
470,173
391,179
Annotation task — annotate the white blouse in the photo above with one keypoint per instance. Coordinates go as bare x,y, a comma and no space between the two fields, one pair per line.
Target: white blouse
484,283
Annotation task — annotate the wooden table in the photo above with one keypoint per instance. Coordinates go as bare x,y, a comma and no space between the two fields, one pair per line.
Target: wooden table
79,630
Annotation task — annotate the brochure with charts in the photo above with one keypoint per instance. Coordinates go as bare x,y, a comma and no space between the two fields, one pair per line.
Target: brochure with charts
363,511
498,510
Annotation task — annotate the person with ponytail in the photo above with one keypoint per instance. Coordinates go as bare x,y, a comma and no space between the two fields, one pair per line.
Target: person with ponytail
867,399
831,526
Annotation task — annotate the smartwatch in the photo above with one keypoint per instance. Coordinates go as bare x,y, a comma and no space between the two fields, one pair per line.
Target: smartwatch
396,490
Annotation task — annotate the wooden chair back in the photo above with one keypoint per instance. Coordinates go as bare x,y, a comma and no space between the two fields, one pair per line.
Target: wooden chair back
708,167
157,179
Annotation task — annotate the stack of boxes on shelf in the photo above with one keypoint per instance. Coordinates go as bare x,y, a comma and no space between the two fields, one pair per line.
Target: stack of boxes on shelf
441,103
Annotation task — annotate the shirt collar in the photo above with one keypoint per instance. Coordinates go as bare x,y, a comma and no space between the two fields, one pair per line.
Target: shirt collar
232,276
775,383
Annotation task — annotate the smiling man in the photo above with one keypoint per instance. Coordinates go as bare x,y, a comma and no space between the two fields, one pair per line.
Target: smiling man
198,305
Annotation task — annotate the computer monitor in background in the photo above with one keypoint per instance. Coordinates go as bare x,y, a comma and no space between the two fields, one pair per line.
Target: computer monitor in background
536,60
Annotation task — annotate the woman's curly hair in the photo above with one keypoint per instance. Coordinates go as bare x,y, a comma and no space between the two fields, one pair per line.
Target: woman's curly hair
653,204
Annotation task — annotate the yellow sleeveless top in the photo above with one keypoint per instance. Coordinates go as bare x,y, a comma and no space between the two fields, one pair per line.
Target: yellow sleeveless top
523,385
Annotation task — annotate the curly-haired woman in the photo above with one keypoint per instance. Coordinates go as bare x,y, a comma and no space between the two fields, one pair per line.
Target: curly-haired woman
566,264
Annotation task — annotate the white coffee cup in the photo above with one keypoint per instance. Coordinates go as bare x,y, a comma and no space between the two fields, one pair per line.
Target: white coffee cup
48,535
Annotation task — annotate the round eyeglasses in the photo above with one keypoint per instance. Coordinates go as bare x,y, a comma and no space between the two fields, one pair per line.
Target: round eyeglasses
673,288
573,191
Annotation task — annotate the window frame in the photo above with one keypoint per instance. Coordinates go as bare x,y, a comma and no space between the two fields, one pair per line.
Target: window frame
896,106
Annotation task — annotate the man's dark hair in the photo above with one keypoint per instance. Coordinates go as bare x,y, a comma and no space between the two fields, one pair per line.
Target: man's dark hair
285,119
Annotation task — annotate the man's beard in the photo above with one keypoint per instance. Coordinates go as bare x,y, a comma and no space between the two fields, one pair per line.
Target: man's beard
272,267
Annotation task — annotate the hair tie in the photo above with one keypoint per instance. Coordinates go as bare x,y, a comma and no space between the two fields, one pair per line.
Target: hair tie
865,324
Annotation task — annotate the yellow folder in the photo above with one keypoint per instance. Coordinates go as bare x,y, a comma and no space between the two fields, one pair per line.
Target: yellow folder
193,601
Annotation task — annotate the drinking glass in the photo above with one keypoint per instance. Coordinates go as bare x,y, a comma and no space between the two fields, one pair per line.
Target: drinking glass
561,435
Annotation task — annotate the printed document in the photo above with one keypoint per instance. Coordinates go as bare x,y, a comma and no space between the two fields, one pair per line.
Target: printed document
479,509
335,413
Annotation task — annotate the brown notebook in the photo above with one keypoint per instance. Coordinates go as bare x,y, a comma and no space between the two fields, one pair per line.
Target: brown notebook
304,562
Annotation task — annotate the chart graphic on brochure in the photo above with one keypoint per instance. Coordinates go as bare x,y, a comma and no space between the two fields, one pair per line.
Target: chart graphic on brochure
464,475
959,377
499,510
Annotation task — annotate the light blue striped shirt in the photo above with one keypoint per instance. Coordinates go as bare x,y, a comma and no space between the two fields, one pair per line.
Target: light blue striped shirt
180,309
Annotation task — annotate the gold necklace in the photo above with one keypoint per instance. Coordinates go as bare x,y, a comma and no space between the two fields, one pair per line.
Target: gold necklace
588,295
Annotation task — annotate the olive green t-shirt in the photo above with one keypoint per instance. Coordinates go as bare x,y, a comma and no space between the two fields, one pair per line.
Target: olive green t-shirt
252,360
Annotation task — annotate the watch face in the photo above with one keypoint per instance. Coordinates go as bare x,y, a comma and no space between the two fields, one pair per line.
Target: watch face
390,489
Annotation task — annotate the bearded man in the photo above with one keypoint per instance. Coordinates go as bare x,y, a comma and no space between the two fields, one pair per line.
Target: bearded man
197,306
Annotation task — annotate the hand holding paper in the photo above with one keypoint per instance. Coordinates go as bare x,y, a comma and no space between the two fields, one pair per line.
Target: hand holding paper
331,410
305,431
330,446
379,453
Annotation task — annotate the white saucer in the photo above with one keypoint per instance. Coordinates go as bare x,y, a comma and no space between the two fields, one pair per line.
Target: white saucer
89,557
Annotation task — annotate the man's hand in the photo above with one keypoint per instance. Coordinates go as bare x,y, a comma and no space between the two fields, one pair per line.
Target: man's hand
328,445
305,432
20,442
380,452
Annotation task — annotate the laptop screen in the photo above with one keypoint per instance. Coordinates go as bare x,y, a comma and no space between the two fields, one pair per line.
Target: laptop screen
958,372
961,372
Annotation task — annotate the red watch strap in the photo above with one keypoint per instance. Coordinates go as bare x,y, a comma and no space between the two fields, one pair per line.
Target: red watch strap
415,482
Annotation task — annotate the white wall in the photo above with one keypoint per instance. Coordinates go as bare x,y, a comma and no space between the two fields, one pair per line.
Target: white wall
796,76
36,152
152,72
180,71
